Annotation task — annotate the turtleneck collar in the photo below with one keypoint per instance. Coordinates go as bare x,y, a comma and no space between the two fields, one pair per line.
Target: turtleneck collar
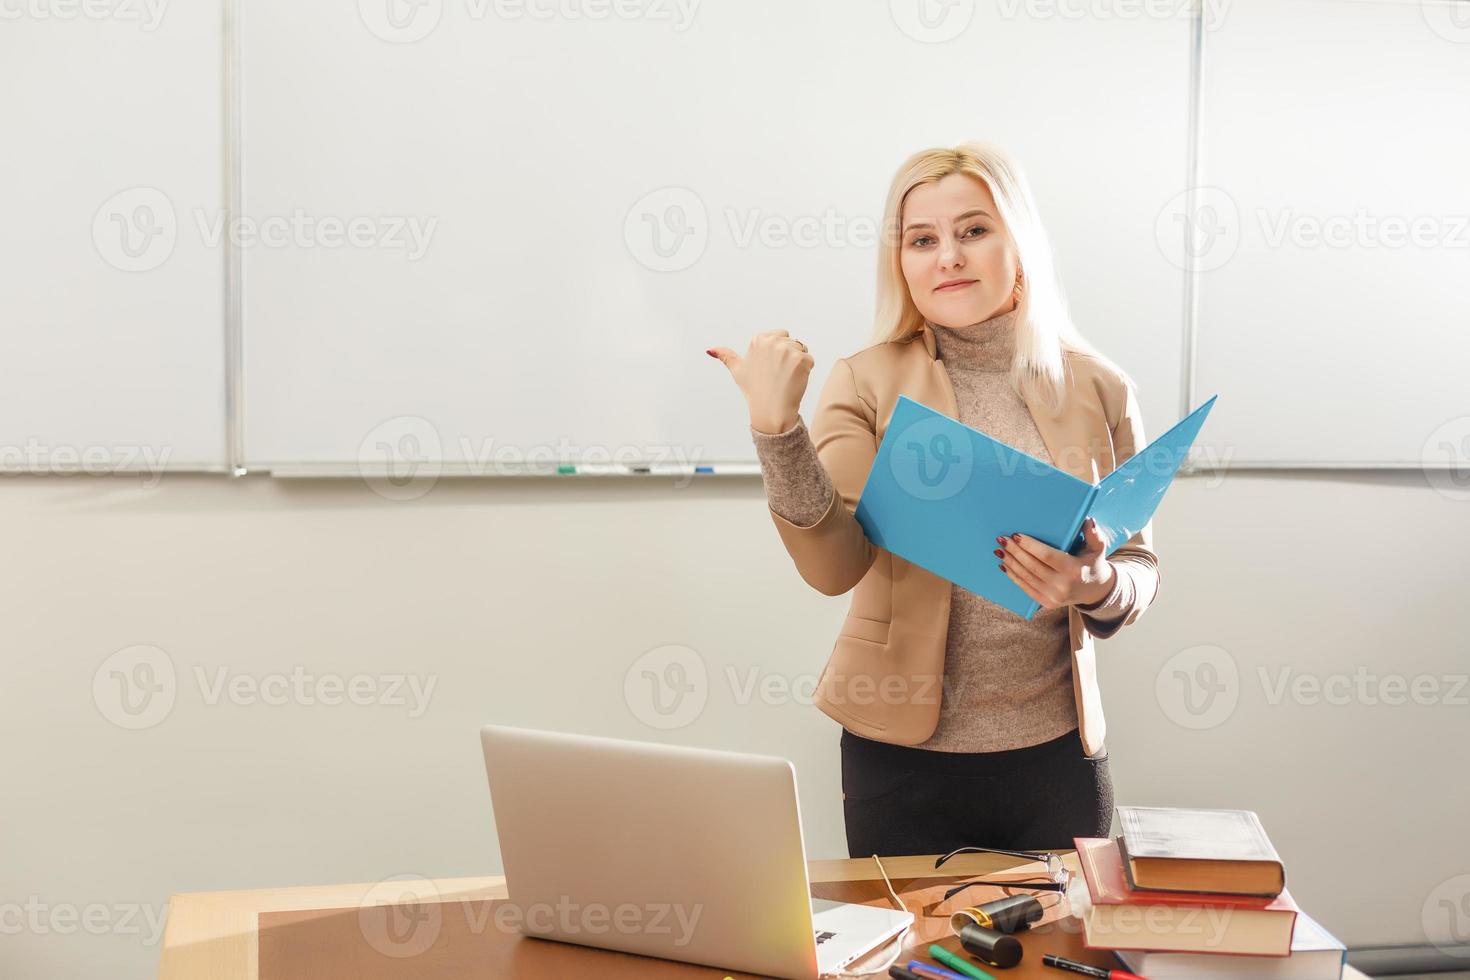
988,345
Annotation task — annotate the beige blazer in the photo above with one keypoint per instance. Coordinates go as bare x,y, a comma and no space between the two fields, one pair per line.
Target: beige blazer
885,675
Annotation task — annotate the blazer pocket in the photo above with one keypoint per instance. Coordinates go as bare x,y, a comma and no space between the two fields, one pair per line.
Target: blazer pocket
872,630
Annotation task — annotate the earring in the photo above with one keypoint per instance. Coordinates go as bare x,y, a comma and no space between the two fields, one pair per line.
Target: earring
1020,283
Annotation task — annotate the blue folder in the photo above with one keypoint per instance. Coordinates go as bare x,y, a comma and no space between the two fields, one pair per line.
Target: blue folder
941,492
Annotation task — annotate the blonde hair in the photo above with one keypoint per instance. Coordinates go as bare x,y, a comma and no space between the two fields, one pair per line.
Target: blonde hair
1044,328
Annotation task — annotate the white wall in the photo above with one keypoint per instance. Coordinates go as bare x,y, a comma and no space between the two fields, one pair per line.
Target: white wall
526,603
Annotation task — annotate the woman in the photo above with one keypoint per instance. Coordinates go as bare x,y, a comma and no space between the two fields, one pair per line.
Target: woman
961,721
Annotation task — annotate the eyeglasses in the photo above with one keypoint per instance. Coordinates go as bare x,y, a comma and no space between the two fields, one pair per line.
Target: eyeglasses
1055,879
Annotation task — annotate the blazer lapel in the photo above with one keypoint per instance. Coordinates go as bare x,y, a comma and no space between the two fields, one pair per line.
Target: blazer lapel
1062,442
1055,431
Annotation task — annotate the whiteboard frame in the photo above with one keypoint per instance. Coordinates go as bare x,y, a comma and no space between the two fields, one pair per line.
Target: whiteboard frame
234,128
1189,382
234,178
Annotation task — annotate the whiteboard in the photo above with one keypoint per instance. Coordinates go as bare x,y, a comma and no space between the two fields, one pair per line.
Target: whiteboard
112,352
600,200
1334,234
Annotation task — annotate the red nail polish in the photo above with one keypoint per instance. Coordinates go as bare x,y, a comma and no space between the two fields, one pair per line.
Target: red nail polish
999,553
711,353
1002,566
1016,537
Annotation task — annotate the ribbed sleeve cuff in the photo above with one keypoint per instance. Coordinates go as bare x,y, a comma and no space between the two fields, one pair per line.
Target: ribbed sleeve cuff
1105,617
797,486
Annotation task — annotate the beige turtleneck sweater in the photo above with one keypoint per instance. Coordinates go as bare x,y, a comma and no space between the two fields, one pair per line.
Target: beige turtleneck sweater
1007,681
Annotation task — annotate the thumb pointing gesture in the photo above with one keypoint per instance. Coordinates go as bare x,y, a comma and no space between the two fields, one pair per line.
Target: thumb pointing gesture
772,375
726,357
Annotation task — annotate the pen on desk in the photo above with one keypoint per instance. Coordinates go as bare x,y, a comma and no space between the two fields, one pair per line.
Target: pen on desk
903,973
1062,963
934,972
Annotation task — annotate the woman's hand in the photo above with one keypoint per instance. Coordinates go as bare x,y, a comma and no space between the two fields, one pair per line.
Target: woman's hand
1055,578
772,375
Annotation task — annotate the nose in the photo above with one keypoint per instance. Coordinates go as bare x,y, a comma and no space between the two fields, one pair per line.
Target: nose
950,257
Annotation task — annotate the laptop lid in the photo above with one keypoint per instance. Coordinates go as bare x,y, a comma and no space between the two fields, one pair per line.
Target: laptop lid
682,853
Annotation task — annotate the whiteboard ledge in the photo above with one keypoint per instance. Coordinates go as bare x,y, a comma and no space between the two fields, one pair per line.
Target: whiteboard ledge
312,471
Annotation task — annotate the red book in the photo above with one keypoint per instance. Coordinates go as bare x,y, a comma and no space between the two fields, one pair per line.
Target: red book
1115,916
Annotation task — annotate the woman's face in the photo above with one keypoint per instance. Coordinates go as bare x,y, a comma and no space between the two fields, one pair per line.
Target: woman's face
952,233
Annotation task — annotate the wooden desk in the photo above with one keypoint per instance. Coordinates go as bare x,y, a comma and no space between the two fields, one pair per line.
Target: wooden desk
318,931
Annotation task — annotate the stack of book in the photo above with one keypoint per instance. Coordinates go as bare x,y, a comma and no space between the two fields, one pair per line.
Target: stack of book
1197,893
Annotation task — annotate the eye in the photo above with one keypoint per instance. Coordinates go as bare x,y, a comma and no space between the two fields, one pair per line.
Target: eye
979,228
919,242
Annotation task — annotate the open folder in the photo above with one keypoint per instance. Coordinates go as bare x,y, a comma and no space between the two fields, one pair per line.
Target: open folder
940,493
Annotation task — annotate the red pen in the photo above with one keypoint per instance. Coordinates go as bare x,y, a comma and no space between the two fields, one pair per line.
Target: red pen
1062,963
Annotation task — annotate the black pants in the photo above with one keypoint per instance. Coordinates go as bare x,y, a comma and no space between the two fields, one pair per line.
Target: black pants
898,799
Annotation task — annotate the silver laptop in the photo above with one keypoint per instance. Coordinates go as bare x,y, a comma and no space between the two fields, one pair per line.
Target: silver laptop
681,853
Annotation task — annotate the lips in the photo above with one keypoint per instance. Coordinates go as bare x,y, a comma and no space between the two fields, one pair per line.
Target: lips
951,286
